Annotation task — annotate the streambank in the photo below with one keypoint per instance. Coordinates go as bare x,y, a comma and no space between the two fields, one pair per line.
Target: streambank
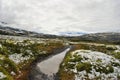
46,67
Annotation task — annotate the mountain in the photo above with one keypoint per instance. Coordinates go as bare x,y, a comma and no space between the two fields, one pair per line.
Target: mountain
8,30
71,33
110,37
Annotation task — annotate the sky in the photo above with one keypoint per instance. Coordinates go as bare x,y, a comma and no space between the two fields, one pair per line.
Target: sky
57,16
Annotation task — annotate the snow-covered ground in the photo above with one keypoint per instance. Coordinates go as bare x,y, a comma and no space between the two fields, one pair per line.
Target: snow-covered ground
118,48
103,66
17,58
2,76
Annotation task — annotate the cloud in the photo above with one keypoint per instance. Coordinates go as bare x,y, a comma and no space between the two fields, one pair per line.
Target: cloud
54,16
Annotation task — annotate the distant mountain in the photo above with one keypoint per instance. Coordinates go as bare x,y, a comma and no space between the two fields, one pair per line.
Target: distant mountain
8,30
71,33
112,37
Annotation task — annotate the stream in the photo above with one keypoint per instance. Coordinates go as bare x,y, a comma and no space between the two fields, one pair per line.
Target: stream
47,69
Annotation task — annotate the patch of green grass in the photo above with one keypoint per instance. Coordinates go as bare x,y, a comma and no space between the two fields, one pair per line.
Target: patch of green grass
106,70
115,64
116,55
77,58
84,66
111,48
99,60
4,51
70,66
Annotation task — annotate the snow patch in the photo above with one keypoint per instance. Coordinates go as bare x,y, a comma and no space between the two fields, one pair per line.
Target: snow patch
17,58
99,60
2,76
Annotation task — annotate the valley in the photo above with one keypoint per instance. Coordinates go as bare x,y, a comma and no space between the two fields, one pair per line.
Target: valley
47,57
25,58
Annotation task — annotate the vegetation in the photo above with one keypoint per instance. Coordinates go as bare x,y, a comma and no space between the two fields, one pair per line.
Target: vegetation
83,66
17,56
75,63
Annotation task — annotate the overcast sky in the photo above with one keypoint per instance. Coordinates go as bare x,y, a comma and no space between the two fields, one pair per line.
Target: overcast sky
54,16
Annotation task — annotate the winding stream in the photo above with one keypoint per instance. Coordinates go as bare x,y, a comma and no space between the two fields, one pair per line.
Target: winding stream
51,65
47,69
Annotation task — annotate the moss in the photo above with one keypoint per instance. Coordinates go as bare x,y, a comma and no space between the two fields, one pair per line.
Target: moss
77,58
70,66
4,51
115,64
111,48
99,60
116,55
84,66
108,69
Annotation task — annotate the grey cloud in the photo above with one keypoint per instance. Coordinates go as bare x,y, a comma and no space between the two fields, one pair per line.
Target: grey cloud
53,16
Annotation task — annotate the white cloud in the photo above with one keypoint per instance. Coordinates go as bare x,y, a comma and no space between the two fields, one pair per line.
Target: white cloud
53,16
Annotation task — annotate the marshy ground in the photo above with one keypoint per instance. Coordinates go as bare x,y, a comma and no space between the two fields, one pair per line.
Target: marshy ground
19,57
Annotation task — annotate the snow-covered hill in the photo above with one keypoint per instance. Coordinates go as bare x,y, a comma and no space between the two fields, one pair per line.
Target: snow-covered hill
6,29
71,33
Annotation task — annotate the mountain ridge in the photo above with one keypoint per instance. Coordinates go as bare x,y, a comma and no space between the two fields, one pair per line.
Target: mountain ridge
94,37
106,37
8,30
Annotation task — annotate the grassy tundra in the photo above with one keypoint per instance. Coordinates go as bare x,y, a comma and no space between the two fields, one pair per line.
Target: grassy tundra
16,56
91,61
